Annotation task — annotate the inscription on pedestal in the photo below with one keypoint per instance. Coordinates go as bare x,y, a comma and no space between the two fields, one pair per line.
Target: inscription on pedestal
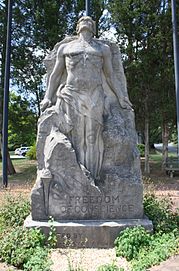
98,203
94,205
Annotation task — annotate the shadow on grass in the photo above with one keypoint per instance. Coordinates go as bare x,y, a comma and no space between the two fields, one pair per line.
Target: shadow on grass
25,171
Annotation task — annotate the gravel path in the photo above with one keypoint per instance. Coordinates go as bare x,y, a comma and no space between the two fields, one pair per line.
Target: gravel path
91,259
86,259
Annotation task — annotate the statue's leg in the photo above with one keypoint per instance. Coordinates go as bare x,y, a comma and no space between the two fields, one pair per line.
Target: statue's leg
77,138
94,147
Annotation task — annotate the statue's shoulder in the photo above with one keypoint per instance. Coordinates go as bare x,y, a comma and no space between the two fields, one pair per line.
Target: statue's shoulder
65,41
107,43
108,46
49,60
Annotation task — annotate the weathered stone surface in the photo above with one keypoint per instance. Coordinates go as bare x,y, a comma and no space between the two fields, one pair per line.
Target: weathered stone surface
88,162
88,233
70,194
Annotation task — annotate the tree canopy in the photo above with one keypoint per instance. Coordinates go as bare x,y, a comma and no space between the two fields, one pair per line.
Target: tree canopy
143,32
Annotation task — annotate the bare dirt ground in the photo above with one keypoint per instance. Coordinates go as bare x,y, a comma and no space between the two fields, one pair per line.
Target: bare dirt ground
89,259
161,184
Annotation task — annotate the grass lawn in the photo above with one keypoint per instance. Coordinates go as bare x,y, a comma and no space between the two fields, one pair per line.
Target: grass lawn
156,157
25,171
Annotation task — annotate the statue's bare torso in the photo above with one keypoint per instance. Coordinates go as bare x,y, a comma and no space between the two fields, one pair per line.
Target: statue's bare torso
84,63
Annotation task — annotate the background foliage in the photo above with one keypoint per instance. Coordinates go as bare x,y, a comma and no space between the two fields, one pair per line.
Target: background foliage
143,30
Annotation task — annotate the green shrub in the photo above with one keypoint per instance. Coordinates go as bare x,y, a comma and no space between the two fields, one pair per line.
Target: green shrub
14,211
38,261
160,212
20,247
161,247
17,246
141,148
109,267
144,250
130,241
31,154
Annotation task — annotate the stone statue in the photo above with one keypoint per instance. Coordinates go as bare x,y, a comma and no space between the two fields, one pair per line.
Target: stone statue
88,162
81,97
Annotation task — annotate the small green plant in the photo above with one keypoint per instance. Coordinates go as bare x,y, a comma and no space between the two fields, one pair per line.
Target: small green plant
130,241
31,154
161,247
144,250
141,148
161,214
52,236
109,267
38,261
18,245
73,264
71,268
14,211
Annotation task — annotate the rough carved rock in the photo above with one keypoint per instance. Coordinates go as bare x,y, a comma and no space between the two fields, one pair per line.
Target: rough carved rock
67,188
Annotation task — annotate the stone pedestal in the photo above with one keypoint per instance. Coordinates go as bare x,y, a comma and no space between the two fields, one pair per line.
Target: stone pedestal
88,233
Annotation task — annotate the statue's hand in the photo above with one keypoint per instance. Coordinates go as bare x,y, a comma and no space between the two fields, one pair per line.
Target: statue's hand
45,103
126,104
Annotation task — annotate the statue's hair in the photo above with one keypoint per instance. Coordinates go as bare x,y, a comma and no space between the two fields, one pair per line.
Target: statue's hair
83,19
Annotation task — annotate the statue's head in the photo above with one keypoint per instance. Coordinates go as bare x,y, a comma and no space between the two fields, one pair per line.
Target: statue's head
86,22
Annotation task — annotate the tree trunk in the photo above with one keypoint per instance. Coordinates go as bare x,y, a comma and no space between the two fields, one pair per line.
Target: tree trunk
147,166
10,167
38,101
165,136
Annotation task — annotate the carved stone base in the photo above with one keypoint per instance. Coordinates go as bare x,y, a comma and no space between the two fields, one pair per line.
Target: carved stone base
88,233
112,200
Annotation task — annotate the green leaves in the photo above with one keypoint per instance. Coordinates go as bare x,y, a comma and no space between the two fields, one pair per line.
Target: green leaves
38,260
22,122
52,236
161,214
31,154
21,247
109,267
144,33
130,241
144,250
14,211
159,249
18,245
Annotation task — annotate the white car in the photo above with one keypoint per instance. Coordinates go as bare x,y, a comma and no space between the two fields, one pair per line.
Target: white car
22,151
17,151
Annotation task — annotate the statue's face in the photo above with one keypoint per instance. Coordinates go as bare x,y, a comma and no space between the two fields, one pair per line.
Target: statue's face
85,24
